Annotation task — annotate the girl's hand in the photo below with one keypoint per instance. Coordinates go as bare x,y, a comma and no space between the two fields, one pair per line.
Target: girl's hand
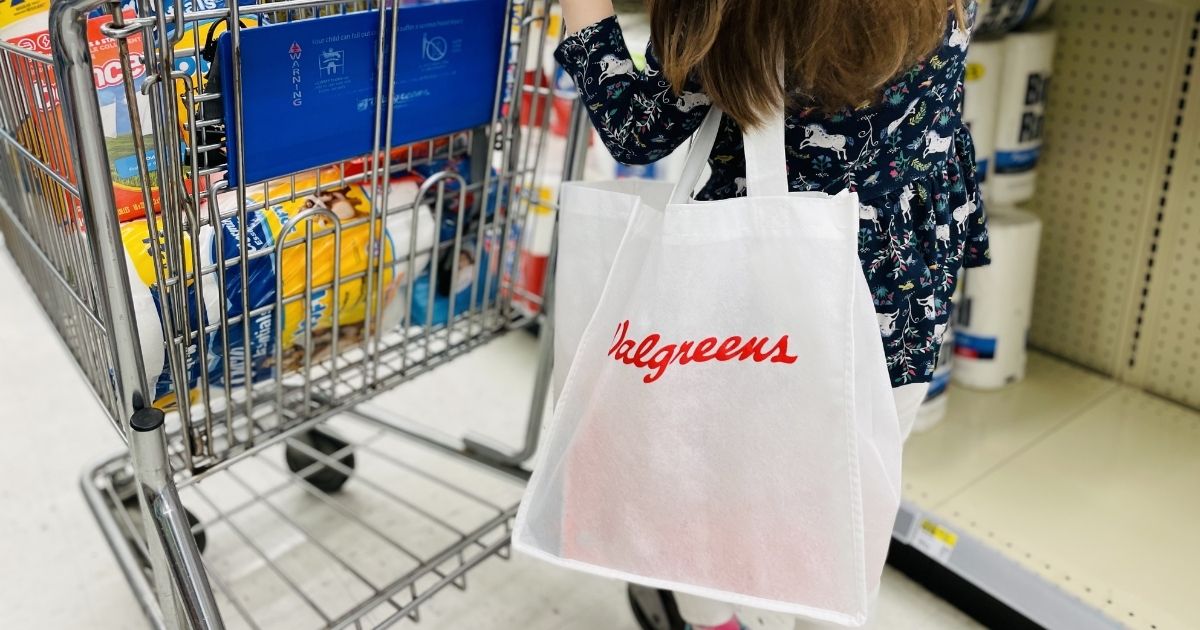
581,13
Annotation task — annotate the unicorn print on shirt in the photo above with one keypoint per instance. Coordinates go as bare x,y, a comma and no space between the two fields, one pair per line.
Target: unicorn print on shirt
815,136
962,213
936,143
869,213
611,66
692,100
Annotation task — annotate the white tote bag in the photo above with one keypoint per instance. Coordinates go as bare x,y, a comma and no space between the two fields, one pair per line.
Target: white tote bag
592,220
726,427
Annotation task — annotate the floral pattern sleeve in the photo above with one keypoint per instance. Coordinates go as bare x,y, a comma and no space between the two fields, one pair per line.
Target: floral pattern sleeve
638,115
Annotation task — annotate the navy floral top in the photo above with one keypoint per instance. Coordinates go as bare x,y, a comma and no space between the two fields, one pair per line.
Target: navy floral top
909,155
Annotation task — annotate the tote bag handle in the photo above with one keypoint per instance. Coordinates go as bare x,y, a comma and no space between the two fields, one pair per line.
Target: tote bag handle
766,159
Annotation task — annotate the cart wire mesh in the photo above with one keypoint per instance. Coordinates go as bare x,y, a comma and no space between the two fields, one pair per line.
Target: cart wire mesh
40,215
283,551
345,270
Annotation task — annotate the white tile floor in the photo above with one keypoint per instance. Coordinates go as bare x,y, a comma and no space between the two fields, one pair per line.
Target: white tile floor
57,572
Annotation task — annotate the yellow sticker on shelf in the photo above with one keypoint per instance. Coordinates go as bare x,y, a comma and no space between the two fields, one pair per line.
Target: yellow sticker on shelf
975,72
935,541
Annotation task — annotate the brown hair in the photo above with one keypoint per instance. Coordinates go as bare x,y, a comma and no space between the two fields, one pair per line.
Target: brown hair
839,53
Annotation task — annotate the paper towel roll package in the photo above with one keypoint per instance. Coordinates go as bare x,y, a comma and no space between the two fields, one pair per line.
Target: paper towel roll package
993,316
271,341
1028,66
996,17
1040,8
985,67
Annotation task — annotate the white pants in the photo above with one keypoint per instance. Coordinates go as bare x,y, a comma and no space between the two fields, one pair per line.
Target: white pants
707,612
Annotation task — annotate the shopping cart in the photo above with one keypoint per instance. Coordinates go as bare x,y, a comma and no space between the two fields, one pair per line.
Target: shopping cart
326,513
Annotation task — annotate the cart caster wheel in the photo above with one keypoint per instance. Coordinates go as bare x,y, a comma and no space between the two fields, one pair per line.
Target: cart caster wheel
198,533
654,609
328,479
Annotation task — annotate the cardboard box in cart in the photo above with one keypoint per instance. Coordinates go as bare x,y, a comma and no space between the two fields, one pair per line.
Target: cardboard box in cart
44,130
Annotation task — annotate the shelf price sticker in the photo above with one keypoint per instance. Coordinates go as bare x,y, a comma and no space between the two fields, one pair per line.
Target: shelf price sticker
935,541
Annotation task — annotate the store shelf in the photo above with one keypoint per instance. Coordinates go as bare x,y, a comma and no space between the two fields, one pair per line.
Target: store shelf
1068,497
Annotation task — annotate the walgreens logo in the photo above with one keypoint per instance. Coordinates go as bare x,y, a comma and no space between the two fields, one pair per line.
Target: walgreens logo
655,356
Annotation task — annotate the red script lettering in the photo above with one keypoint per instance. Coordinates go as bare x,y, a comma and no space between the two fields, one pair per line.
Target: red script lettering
652,354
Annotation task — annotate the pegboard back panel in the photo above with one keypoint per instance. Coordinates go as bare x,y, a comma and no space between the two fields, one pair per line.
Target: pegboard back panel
1117,78
1166,360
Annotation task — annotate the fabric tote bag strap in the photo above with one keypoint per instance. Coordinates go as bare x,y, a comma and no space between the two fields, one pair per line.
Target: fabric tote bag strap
766,158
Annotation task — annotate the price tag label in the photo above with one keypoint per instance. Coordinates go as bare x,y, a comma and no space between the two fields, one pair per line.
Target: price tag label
935,541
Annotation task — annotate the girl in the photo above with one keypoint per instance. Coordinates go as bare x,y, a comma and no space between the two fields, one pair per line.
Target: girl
875,91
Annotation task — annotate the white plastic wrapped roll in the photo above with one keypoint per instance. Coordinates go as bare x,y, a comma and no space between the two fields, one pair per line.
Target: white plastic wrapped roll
997,17
996,307
150,335
400,230
985,67
1028,66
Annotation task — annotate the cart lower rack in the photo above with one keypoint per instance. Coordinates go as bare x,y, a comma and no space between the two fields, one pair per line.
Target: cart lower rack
285,547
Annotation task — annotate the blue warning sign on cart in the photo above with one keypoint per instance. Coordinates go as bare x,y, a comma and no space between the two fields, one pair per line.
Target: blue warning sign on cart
309,89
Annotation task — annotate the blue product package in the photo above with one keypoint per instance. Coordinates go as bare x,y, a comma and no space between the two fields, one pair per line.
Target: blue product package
309,87
974,346
261,283
439,314
642,171
460,165
161,384
1009,162
457,165
260,292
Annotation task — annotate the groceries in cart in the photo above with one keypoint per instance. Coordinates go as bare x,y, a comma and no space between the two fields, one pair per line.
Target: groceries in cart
471,264
196,65
474,284
315,287
302,272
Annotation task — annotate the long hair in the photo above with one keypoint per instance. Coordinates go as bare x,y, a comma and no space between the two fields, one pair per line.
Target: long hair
838,53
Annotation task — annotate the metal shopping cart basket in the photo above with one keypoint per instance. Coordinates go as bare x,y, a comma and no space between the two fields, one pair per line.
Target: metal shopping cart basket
264,453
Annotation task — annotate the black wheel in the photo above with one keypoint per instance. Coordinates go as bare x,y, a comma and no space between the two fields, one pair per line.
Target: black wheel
325,477
654,609
197,532
131,503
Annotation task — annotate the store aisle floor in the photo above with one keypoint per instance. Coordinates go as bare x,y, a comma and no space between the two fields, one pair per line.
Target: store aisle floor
56,571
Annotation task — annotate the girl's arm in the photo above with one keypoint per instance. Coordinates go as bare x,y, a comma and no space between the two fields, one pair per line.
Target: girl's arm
580,13
637,113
